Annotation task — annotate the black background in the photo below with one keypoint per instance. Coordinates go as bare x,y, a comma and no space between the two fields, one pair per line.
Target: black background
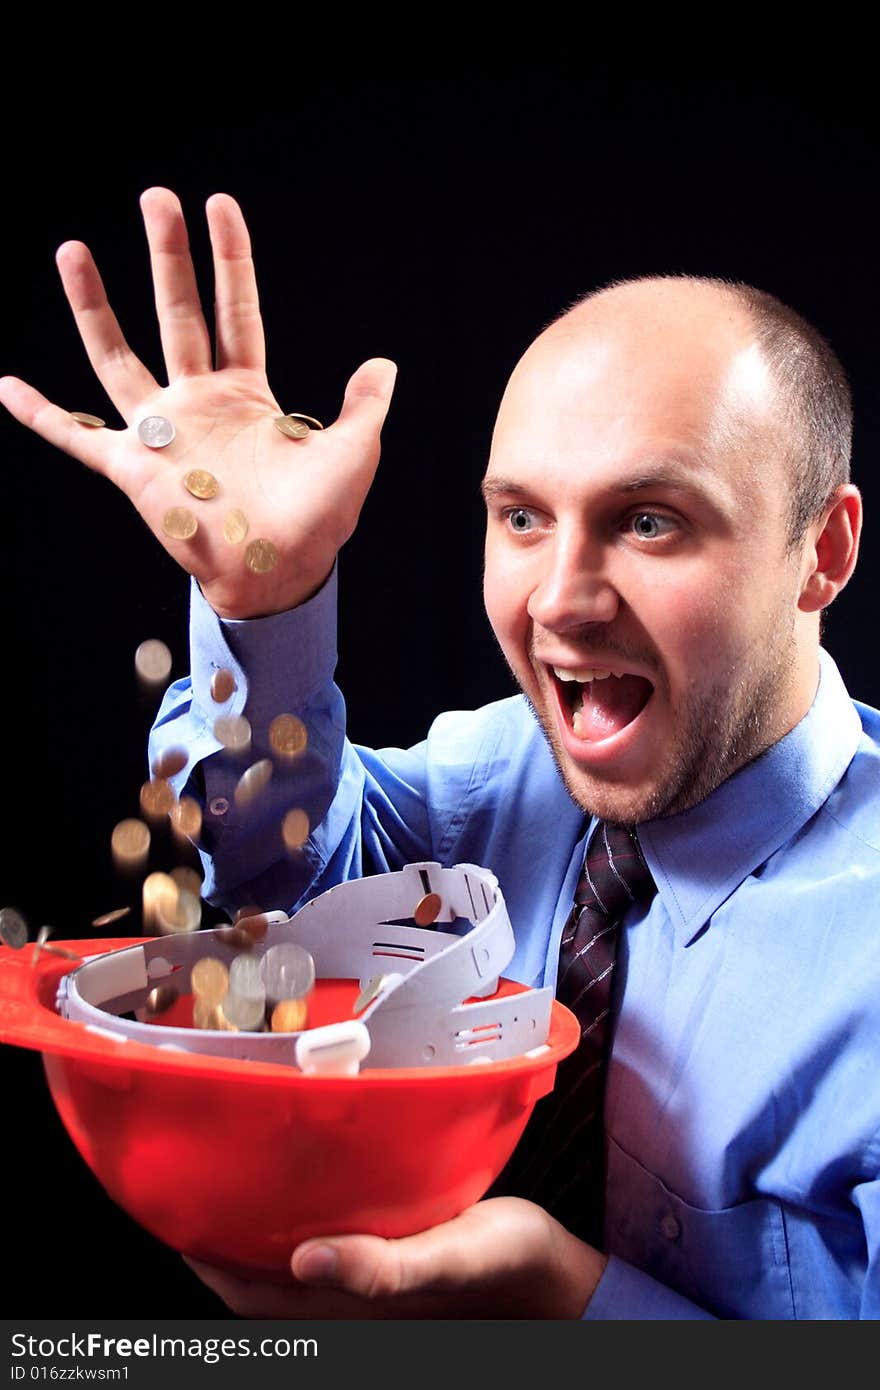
440,223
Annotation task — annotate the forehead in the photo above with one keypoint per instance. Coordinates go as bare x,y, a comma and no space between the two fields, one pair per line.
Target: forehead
595,400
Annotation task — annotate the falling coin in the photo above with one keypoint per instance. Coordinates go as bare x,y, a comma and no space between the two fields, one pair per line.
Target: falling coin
287,735
129,844
157,798
261,557
186,818
159,892
201,484
160,999
188,879
245,1012
236,938
41,947
210,980
255,926
293,428
233,731
288,972
152,661
185,916
82,418
295,829
222,686
179,524
427,909
61,951
235,527
13,928
371,990
170,762
109,917
156,431
289,1016
209,1016
253,782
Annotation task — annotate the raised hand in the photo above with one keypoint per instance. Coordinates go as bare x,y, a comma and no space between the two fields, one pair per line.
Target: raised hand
302,496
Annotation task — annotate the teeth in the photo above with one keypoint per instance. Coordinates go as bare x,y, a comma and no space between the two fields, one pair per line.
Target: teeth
582,675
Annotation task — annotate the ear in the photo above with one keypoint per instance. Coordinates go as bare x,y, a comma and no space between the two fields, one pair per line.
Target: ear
831,550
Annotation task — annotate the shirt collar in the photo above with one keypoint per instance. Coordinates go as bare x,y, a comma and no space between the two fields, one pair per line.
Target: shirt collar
698,858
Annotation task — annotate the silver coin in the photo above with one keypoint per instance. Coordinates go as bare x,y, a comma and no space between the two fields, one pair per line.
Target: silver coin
371,990
245,978
233,731
156,431
13,928
288,972
244,1011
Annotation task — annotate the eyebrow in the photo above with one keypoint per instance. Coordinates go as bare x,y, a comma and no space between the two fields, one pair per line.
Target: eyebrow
668,475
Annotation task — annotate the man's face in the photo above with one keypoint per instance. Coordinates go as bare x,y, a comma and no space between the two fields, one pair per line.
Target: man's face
637,576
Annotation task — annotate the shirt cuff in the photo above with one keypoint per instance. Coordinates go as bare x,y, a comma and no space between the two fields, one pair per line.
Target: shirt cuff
626,1294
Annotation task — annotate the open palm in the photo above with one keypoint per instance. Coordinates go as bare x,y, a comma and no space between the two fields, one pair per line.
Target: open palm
302,496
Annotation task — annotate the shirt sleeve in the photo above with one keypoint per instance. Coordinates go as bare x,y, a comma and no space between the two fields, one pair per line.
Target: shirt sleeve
626,1294
356,801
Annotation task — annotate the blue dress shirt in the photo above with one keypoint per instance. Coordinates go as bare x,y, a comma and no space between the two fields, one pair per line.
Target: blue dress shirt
742,1105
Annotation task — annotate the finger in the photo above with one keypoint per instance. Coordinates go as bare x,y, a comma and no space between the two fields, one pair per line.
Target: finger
238,325
122,375
434,1261
368,396
185,340
93,447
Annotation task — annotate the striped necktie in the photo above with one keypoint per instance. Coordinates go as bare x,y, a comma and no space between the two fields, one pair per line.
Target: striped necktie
559,1161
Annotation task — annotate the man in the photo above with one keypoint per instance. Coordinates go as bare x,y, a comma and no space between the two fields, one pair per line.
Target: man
669,513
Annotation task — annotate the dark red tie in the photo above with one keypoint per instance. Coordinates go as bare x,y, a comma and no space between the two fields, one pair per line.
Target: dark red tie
559,1161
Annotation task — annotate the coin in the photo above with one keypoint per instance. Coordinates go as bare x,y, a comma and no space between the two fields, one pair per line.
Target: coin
255,925
156,431
129,844
160,999
222,686
185,915
289,1016
287,735
427,909
152,661
159,891
170,762
235,527
82,418
252,782
13,928
245,1012
179,524
188,879
236,938
245,978
186,818
209,1016
210,980
201,484
109,917
295,829
157,798
308,419
261,557
294,429
288,972
371,990
233,731
61,951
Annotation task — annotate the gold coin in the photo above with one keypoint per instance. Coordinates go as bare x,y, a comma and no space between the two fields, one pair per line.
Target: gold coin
208,1016
184,916
201,484
108,917
210,980
287,735
235,937
61,951
289,1016
82,418
427,909
233,731
159,892
188,879
179,524
169,763
295,829
255,926
129,844
309,419
160,999
235,527
186,818
252,782
157,798
222,686
294,429
261,557
152,661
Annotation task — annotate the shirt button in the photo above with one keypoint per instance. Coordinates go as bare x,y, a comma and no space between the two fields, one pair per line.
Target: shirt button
219,806
670,1226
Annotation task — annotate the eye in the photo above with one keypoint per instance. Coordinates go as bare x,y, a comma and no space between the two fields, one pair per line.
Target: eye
650,526
520,519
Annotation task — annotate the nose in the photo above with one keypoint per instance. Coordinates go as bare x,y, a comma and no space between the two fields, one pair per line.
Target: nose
573,588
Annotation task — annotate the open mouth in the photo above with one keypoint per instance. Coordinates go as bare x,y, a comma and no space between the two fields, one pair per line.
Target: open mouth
598,703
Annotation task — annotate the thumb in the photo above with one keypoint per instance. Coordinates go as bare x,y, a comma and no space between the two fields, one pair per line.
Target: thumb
364,1265
368,395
